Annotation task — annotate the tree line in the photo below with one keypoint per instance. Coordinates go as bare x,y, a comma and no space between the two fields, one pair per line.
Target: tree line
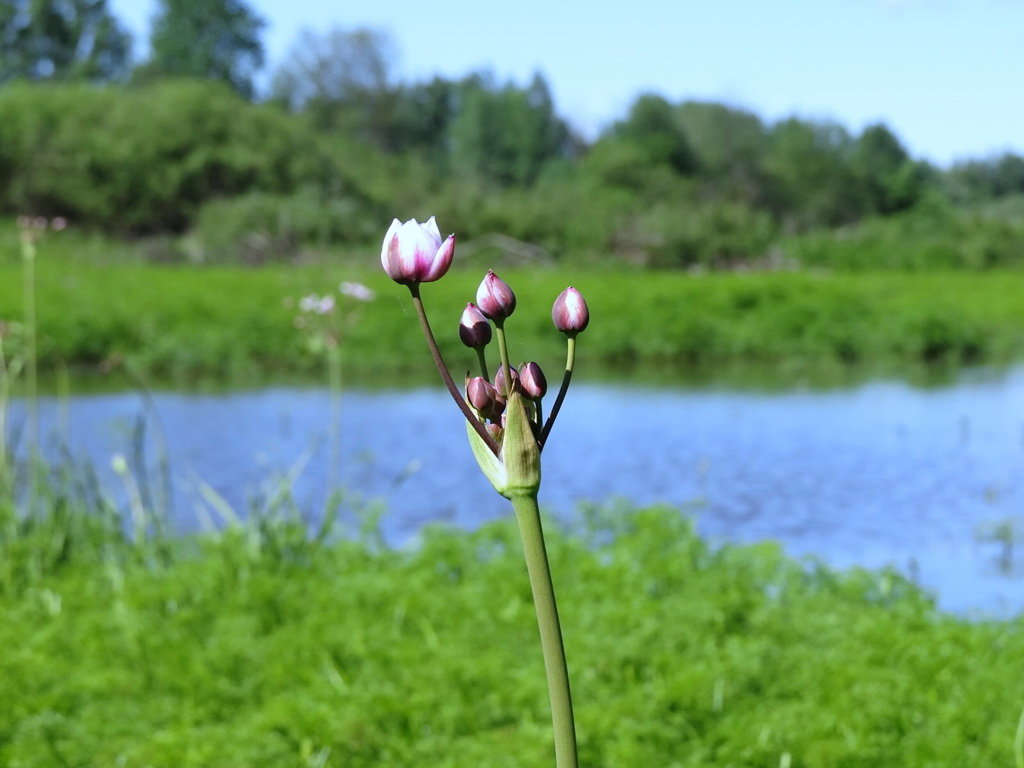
180,141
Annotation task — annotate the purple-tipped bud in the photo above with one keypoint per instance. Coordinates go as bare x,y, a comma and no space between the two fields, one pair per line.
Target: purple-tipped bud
474,330
499,378
532,381
484,397
414,253
569,312
494,297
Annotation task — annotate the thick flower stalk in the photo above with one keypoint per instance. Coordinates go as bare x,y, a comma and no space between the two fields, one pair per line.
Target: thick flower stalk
504,423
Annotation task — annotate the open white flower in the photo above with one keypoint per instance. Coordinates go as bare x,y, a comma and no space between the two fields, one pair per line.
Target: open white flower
414,253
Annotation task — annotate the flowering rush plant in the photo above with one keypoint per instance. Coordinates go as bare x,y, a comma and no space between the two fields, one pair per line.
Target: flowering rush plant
504,421
325,320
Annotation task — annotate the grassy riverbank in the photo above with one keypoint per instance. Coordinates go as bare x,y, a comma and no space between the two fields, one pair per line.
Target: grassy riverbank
179,323
260,647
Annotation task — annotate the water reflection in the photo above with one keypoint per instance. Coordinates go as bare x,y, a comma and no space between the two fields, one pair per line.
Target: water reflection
875,474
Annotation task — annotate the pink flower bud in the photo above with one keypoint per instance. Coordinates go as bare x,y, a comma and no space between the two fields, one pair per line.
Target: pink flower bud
482,395
532,381
494,297
499,378
414,253
474,330
569,312
496,431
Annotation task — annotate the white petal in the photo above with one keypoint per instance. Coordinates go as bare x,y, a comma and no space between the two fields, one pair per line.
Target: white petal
392,231
441,261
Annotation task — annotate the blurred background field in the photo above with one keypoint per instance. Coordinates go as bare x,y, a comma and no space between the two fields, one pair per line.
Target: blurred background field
99,305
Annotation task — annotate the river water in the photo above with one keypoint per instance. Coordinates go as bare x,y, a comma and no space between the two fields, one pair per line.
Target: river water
876,474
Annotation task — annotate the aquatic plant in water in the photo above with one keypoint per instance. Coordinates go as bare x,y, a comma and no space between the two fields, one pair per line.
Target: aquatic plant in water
504,421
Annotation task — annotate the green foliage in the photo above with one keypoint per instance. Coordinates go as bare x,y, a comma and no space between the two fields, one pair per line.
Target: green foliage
61,39
996,177
210,39
260,645
729,145
931,236
256,228
892,180
149,157
627,165
670,185
505,134
654,131
713,235
476,128
813,183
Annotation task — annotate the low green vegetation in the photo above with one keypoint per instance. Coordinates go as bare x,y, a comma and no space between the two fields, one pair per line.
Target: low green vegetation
262,646
180,323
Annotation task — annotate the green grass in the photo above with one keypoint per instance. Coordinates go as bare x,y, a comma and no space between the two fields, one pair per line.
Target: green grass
260,647
181,323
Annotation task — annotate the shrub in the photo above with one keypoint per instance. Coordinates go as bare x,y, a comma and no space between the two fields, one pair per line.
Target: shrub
260,227
145,160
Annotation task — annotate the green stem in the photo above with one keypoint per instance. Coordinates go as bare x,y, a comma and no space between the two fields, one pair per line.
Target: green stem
5,392
28,287
1018,743
63,402
499,329
478,425
334,428
528,517
570,361
481,356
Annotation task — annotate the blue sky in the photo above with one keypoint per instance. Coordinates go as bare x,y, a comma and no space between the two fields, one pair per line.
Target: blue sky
945,75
